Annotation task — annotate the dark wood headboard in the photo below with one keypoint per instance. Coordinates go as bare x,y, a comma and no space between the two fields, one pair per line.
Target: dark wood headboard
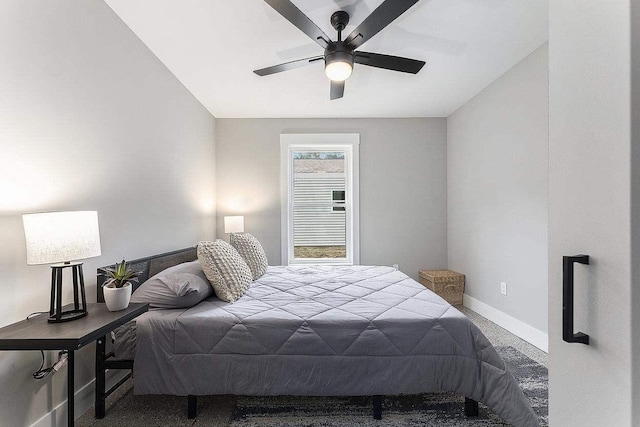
152,265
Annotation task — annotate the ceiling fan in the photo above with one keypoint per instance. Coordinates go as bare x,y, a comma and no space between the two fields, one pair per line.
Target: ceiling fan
340,55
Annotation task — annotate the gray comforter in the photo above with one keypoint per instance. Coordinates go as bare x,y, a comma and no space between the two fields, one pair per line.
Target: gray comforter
315,330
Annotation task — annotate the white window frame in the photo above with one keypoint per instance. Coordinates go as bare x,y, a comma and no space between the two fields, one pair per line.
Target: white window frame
348,142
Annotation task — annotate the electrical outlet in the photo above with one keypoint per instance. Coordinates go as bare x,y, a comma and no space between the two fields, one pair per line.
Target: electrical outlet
503,288
395,266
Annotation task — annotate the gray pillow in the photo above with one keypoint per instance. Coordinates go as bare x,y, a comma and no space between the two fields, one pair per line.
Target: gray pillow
251,251
183,285
229,275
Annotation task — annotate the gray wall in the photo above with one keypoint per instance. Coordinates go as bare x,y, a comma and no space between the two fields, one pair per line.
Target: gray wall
635,209
591,177
89,119
402,184
497,191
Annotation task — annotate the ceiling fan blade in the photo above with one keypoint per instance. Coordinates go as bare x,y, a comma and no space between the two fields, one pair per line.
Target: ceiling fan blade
388,62
337,90
287,66
300,20
384,14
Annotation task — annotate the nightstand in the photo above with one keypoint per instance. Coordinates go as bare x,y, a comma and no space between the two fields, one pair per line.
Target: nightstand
38,334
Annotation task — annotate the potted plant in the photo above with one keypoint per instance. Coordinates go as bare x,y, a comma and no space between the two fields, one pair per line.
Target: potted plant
117,288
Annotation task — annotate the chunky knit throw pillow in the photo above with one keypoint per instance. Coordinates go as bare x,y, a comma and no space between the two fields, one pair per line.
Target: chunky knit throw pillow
251,250
229,275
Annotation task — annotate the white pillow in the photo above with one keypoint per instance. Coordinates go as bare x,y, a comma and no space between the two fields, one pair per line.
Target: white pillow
251,251
226,270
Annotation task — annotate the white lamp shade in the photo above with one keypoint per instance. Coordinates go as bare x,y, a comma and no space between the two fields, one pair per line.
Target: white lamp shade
234,224
54,237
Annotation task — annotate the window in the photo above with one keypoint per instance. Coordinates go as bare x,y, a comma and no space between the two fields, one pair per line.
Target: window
319,198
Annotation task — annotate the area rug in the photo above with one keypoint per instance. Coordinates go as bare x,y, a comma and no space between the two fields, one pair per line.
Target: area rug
434,409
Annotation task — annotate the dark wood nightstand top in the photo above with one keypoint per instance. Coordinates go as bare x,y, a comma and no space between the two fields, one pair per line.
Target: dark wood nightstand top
37,333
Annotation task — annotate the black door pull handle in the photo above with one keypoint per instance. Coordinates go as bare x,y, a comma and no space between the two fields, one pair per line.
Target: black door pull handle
567,299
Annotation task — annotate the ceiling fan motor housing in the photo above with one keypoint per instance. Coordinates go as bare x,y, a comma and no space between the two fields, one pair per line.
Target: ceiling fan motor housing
338,52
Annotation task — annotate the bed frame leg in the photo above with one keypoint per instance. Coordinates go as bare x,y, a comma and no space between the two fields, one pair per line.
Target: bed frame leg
192,406
377,407
470,407
100,377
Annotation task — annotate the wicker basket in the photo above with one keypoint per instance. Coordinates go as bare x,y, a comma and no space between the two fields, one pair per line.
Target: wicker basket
446,283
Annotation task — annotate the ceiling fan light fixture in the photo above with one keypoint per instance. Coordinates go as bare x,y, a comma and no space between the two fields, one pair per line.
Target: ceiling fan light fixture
338,71
338,64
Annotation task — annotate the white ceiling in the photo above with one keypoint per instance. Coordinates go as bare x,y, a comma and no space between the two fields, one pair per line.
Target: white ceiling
212,47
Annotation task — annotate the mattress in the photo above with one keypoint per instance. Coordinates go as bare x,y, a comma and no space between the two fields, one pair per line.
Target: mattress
320,330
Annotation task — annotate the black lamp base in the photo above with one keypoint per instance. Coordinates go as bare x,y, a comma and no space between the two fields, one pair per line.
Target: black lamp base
79,310
67,316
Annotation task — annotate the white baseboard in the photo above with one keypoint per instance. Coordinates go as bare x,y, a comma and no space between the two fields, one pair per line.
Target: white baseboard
511,324
84,399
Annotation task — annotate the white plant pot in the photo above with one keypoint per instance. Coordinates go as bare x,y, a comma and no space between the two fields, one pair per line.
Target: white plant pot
117,298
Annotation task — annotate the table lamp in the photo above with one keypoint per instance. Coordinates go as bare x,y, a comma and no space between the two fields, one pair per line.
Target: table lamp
60,239
234,224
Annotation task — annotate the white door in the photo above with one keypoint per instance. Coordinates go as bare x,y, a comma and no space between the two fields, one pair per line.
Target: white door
591,212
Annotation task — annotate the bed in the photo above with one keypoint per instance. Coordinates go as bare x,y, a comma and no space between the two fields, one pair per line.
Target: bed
319,331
